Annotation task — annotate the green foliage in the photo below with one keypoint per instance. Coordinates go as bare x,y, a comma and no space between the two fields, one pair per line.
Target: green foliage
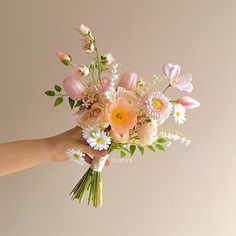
162,140
50,93
141,149
78,103
58,101
57,88
122,153
132,149
71,102
151,148
160,147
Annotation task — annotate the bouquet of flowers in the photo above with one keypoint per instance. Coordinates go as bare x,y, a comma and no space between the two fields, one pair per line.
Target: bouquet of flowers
119,111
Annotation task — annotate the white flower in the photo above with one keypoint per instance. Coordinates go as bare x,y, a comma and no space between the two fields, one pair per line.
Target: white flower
179,114
90,132
76,156
84,30
100,141
84,70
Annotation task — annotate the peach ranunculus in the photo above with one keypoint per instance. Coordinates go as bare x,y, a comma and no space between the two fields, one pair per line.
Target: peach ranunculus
147,133
94,117
121,116
119,138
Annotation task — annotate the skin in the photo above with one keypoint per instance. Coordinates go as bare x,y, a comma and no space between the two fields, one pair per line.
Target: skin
21,155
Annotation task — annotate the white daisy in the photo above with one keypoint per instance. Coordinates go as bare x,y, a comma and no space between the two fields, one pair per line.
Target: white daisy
100,141
90,132
179,114
76,156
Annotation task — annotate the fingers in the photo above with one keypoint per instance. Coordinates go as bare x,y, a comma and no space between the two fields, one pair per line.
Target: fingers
85,148
89,160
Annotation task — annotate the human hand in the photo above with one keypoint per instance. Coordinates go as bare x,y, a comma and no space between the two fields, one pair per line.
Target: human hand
72,139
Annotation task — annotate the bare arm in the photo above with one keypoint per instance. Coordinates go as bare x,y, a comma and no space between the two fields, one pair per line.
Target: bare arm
20,155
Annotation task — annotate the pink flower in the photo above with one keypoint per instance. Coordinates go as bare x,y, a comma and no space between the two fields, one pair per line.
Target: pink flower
128,81
109,59
73,87
94,117
105,85
119,138
188,102
183,82
87,44
147,133
64,58
158,107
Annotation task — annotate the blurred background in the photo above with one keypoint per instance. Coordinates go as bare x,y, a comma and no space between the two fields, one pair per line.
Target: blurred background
189,190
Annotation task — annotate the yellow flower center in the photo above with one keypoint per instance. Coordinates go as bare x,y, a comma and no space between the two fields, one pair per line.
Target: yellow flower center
100,140
76,156
178,114
157,104
119,116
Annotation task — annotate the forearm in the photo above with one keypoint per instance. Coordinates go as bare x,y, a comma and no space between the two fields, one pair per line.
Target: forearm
20,155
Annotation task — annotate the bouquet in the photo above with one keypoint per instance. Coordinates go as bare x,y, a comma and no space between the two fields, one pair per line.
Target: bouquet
119,111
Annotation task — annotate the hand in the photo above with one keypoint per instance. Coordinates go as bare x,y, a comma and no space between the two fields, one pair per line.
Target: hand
72,139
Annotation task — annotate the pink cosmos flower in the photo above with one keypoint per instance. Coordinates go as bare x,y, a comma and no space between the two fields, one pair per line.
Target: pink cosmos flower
183,82
158,107
128,80
188,102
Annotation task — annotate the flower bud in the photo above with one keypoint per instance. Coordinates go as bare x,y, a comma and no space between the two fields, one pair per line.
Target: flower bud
188,102
83,30
84,70
87,45
64,58
128,81
74,88
107,59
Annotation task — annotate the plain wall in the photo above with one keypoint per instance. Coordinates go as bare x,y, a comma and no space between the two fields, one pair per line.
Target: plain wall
187,191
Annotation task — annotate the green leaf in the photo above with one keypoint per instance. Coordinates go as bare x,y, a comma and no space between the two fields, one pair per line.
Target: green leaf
151,148
141,149
122,153
162,140
160,147
78,103
50,93
57,88
71,102
58,101
132,149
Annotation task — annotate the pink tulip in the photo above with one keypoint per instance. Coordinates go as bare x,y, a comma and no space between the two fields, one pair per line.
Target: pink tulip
64,58
105,85
183,82
74,88
188,102
128,81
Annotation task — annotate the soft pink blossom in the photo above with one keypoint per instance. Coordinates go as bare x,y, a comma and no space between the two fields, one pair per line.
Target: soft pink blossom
87,44
109,59
182,82
128,80
147,133
73,87
188,102
106,82
94,117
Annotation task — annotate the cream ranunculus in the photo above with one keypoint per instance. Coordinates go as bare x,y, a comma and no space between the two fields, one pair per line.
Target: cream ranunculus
147,133
94,117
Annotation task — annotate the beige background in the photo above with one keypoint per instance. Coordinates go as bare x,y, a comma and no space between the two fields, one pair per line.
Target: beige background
185,191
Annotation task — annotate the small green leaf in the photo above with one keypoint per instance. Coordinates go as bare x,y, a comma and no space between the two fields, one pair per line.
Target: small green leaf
122,153
162,140
132,149
58,101
50,93
151,148
160,147
78,103
141,149
71,102
57,88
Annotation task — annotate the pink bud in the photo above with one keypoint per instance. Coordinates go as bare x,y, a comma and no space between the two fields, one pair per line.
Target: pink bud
105,85
188,102
74,88
64,58
128,81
